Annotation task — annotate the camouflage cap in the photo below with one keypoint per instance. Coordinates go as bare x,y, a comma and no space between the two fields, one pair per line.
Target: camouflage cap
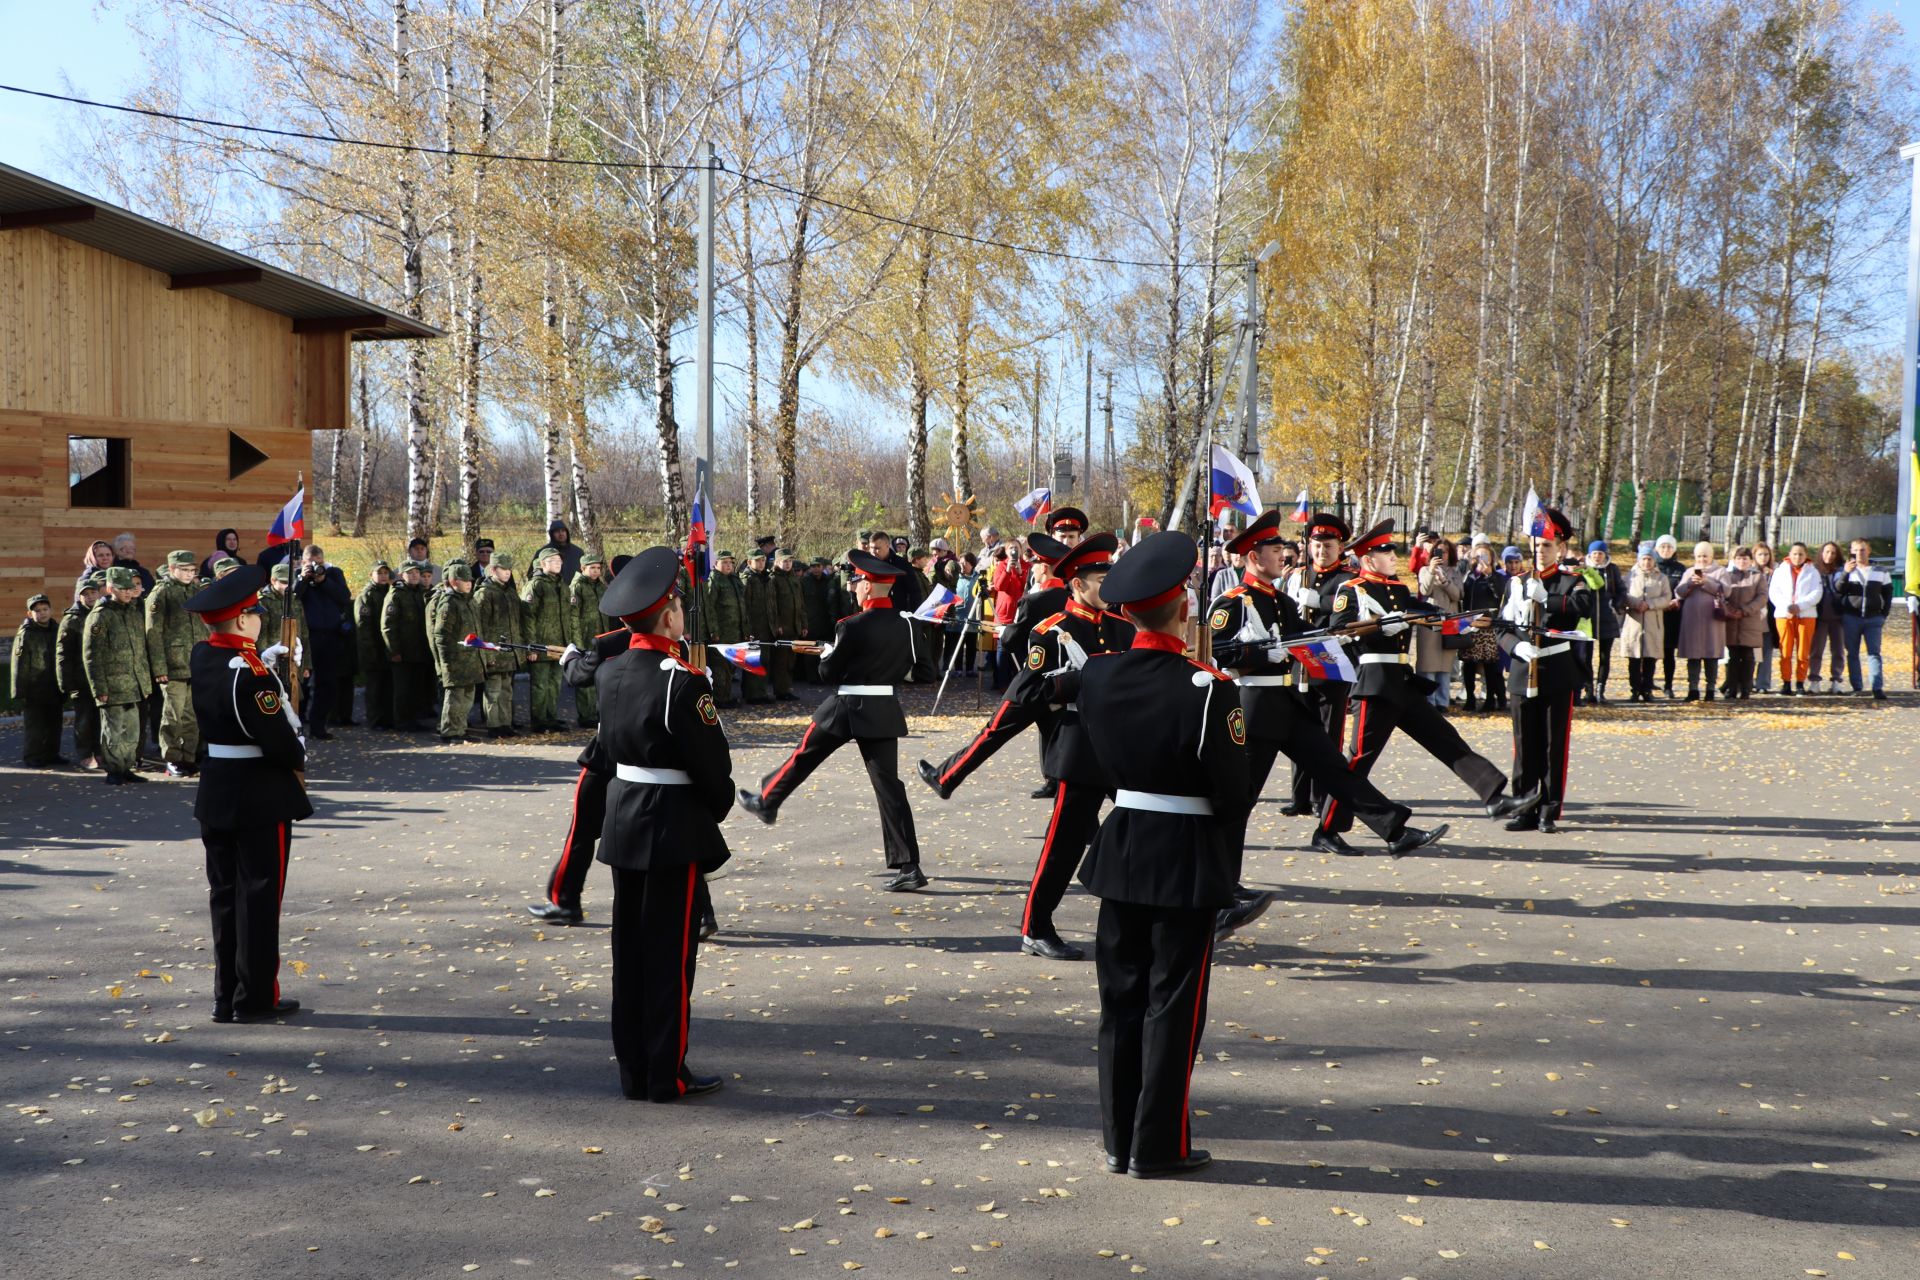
410,566
37,599
725,555
784,553
501,560
590,558
380,564
119,578
458,572
224,565
97,580
483,544
822,562
283,572
544,552
186,558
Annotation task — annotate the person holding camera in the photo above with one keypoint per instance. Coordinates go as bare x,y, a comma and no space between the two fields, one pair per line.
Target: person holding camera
328,605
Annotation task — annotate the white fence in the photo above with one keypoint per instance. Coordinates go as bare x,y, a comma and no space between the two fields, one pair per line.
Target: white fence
1812,530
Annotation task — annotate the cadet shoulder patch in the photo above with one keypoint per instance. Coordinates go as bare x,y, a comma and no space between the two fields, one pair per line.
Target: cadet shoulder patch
1237,726
268,701
1340,600
706,709
254,664
1219,620
1036,658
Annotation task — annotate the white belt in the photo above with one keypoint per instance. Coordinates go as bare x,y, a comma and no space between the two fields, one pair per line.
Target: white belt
658,777
1154,802
221,751
1368,659
865,691
1264,682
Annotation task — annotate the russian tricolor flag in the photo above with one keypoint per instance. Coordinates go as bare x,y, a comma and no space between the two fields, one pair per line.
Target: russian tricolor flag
1323,659
745,656
699,555
1532,518
938,604
1300,515
1034,505
1456,626
291,523
1233,486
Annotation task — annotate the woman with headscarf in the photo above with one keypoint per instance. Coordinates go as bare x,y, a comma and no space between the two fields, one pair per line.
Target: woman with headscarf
1763,561
226,546
1643,633
1703,628
99,556
1745,607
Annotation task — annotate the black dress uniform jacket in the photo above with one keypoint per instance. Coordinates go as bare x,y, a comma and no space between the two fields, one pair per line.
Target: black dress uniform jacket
1160,722
1057,651
658,712
1247,622
1569,600
240,702
1037,605
876,646
1361,598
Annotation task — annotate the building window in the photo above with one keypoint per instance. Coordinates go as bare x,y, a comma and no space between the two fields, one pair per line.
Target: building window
98,472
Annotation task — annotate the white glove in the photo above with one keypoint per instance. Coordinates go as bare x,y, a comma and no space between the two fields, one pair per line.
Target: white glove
571,652
1536,591
273,653
298,652
1393,625
1525,651
1307,598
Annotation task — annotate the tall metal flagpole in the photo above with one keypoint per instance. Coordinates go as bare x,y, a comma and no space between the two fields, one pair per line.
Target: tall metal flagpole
703,389
1906,529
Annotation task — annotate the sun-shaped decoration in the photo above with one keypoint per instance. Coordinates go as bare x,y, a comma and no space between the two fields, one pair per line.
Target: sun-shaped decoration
961,517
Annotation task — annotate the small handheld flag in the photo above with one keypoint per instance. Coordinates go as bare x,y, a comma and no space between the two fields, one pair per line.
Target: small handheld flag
1323,659
745,655
291,522
1034,505
1300,515
1233,486
1532,518
938,604
475,642
1456,626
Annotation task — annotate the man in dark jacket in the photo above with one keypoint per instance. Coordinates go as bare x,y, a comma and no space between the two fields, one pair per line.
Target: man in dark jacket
329,607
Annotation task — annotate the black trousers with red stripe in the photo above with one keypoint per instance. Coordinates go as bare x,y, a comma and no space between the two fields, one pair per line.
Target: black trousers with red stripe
1542,738
1326,703
655,919
583,834
1076,816
882,757
246,879
1376,716
1152,964
1007,722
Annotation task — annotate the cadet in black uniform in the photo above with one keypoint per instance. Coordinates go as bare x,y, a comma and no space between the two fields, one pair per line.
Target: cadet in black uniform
1249,624
1546,673
672,784
1170,736
872,651
1311,587
1057,651
251,793
1388,694
1010,717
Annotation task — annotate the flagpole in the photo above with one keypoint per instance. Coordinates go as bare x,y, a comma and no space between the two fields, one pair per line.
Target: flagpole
290,625
966,622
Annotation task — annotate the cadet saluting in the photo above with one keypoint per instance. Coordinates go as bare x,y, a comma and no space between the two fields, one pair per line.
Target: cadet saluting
672,784
250,795
1171,738
872,651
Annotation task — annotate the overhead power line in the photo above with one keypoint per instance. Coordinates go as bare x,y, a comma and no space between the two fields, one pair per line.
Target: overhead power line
577,162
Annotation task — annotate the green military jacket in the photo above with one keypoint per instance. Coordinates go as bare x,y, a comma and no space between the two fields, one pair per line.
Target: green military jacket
585,621
453,621
113,650
758,593
788,614
35,676
546,620
171,630
276,606
436,596
367,611
823,603
498,615
723,606
68,668
403,624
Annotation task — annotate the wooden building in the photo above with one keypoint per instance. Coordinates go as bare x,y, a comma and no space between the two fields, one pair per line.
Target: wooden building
153,383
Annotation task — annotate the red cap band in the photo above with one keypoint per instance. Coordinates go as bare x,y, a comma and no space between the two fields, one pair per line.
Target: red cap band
232,611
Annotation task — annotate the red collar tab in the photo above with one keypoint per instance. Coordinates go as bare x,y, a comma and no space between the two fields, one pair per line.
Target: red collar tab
657,643
1368,575
1079,610
1258,583
230,640
1159,640
1049,583
1547,572
871,605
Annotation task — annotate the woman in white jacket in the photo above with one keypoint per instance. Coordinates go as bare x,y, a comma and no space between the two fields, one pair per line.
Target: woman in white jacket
1795,593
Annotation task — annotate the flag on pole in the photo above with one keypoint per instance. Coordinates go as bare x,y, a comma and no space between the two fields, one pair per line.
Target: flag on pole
1300,515
699,556
745,655
1233,486
1035,504
938,604
1323,659
291,522
1532,521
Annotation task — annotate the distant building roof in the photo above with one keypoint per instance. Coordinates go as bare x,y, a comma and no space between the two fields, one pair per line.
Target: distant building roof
28,200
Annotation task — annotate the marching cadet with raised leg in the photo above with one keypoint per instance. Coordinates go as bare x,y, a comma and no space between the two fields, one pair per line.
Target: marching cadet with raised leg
1311,586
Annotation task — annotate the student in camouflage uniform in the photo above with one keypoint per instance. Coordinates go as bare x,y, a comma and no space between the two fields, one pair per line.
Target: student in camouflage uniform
497,617
584,622
546,622
72,673
403,626
171,634
758,592
723,620
36,685
823,602
789,619
372,645
113,651
459,667
278,601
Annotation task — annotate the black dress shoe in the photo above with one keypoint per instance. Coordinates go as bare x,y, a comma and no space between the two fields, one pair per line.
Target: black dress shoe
1525,822
694,1086
1192,1162
553,913
1116,1164
906,879
1508,806
1293,809
1548,827
708,927
1241,914
753,804
1050,948
1325,841
283,1009
1046,792
1413,838
222,1012
931,776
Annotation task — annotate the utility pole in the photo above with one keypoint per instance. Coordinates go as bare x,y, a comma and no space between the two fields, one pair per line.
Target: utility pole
1250,380
1106,408
1086,432
1033,446
703,350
